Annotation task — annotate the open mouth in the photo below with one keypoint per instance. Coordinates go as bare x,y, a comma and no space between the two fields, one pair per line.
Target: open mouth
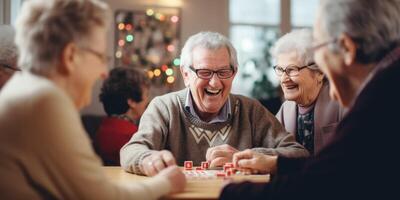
212,92
291,87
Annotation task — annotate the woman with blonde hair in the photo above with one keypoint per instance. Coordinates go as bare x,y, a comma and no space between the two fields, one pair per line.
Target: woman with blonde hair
44,150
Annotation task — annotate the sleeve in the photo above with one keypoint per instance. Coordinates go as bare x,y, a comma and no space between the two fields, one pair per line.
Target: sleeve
151,136
70,162
271,137
289,183
289,165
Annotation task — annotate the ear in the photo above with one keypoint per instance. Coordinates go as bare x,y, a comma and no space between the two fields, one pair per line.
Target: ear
320,77
185,75
68,59
349,49
131,103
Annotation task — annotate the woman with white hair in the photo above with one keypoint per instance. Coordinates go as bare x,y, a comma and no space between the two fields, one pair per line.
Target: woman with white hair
308,112
8,54
44,150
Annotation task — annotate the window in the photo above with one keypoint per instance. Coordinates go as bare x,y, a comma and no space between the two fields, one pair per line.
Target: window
303,12
254,27
9,10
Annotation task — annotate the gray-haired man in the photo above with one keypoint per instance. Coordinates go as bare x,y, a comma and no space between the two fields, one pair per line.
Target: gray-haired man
205,121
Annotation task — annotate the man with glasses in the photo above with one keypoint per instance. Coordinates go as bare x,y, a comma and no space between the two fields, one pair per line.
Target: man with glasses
358,49
8,54
205,121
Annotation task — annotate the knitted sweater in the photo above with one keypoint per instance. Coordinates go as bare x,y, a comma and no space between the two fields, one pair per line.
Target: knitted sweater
167,125
45,152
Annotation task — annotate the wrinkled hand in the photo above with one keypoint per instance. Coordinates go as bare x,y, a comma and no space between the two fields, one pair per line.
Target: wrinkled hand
175,177
219,155
156,162
256,162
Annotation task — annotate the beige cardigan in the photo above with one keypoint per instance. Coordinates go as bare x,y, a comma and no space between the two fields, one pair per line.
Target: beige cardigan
327,114
45,152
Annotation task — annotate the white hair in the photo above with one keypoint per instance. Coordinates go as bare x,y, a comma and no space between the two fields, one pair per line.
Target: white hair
299,41
45,27
208,40
374,25
8,50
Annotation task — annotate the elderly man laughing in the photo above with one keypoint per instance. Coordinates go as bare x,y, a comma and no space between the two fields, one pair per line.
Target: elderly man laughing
204,121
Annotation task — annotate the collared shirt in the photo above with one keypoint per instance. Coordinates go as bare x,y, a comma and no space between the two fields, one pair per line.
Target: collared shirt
390,58
222,116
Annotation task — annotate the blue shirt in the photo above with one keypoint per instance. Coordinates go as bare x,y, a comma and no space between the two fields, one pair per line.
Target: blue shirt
222,116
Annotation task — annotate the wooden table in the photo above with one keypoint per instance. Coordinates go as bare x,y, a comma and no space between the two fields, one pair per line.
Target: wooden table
195,189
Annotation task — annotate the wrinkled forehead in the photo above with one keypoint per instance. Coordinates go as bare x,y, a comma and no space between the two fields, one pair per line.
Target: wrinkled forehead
204,57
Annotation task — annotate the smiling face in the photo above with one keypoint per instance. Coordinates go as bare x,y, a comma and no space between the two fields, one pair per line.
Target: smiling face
303,88
209,95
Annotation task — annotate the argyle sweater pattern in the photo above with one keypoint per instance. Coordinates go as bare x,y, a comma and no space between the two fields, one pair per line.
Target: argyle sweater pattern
166,125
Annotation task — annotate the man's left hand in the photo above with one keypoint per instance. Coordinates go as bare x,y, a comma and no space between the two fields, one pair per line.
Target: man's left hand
219,155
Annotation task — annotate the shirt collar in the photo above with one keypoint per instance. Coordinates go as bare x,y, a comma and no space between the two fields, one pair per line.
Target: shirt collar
222,116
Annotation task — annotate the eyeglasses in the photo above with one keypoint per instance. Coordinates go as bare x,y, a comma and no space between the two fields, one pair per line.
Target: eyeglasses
104,58
291,70
208,73
318,46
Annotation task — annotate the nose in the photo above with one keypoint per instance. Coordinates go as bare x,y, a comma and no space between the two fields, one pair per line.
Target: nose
214,80
284,77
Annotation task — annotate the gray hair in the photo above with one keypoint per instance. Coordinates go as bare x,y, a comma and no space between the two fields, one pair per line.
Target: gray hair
299,41
8,50
374,25
45,27
208,40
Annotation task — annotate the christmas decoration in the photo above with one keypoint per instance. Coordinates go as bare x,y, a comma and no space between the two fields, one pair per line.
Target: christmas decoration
149,40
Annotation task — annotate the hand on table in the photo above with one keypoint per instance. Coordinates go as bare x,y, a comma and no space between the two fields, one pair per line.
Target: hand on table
256,162
176,178
219,155
156,162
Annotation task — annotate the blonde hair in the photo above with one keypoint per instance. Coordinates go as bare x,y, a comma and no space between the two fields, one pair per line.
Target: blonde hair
45,27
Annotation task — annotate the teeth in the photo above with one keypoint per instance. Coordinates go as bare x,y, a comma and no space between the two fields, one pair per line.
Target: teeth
212,91
291,87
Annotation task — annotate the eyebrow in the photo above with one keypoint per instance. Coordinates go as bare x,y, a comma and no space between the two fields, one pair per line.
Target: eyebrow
219,68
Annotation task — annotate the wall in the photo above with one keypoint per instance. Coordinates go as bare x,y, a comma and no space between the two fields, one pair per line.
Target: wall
196,15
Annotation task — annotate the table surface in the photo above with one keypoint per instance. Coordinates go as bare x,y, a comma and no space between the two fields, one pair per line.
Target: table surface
195,188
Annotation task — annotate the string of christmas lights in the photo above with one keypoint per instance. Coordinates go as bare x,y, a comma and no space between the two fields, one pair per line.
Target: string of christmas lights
149,40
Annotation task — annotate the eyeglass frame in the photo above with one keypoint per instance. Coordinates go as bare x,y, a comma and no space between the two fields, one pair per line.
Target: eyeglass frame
294,67
104,58
322,44
213,72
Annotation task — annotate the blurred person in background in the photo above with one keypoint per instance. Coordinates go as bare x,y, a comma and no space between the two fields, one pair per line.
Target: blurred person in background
44,150
125,95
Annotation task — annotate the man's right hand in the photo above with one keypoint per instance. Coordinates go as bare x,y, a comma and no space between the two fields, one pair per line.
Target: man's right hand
255,162
175,177
156,162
